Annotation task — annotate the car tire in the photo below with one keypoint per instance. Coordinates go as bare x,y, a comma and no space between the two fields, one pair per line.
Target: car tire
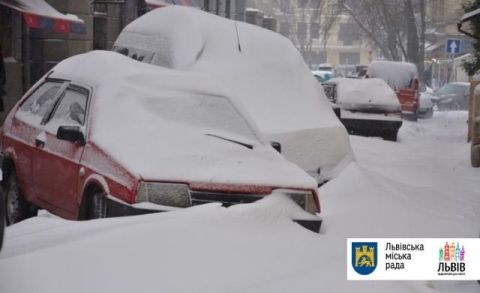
96,206
17,208
475,156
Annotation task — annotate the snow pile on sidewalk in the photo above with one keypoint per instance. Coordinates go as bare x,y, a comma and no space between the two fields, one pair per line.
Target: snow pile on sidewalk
201,249
422,186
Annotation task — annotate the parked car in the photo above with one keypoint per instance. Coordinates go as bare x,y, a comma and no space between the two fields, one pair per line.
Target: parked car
452,96
402,77
263,69
324,71
322,76
368,106
101,132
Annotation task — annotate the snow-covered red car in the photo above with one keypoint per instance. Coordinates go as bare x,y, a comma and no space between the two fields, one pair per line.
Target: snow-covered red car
103,135
367,106
402,77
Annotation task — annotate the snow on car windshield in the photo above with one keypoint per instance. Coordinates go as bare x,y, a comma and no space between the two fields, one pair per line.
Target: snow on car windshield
210,113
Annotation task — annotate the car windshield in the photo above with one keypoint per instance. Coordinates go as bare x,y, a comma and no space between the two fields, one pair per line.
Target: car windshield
450,89
211,114
325,68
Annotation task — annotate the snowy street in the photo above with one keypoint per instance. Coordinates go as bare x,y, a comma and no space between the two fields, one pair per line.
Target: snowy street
421,186
239,146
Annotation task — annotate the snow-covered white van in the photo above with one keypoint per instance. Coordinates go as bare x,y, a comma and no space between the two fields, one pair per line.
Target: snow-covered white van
263,69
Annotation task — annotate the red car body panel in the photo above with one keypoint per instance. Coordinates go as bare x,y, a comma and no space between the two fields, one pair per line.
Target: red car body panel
409,98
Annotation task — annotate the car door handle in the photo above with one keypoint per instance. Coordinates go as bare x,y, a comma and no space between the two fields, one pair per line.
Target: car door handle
40,140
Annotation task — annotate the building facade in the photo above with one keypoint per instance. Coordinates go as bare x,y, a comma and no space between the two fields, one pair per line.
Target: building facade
442,19
320,32
29,52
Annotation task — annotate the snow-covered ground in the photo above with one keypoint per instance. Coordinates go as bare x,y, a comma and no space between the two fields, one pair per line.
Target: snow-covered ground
422,186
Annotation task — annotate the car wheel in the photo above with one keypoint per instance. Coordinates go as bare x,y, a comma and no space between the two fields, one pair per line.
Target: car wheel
17,208
475,156
97,206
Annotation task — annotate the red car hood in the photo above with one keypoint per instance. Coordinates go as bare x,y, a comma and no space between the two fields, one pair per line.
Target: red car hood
205,159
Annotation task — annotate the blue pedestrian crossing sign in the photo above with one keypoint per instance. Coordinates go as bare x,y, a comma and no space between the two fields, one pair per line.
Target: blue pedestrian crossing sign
453,46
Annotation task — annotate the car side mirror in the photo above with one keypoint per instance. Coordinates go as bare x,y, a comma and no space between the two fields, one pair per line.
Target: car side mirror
71,133
277,146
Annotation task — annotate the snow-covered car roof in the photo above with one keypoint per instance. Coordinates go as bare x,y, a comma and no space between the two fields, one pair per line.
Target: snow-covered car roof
163,124
264,70
398,75
353,93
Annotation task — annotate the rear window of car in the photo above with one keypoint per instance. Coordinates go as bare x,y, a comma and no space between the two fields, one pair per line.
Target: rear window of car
136,54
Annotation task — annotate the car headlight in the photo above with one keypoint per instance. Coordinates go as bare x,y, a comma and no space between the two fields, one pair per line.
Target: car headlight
169,194
305,199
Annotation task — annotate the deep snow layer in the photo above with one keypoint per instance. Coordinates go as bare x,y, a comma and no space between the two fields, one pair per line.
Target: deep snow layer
421,186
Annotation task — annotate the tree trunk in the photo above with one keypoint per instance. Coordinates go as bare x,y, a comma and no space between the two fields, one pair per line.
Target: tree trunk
413,43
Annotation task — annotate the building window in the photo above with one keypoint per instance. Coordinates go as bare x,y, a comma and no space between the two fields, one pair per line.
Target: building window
319,57
315,30
285,29
348,33
8,33
301,30
315,4
438,11
302,3
349,58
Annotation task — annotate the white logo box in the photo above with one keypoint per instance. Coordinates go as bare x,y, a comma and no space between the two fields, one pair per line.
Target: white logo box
419,259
